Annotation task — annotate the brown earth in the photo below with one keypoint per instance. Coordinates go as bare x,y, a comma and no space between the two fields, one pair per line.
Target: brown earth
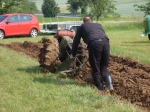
131,79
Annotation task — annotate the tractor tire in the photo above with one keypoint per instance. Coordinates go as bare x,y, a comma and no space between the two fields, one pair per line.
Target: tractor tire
64,44
49,55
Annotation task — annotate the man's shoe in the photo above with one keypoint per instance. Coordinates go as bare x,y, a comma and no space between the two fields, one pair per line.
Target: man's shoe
108,82
100,86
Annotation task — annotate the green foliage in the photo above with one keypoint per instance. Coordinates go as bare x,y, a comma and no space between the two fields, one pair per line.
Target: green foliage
18,6
83,6
50,8
144,8
4,6
100,8
75,5
28,7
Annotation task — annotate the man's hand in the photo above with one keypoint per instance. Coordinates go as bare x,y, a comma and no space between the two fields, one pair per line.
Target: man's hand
72,57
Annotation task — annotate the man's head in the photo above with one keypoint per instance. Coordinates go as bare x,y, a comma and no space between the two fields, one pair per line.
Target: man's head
87,19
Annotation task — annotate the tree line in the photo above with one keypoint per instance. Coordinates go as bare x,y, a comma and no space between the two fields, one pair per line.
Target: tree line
94,8
17,6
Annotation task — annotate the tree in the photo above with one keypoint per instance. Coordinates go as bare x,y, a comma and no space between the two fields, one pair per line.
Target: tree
18,6
100,8
23,6
75,5
6,5
144,8
97,8
50,8
83,6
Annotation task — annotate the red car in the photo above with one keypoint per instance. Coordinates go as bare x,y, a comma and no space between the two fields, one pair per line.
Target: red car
18,24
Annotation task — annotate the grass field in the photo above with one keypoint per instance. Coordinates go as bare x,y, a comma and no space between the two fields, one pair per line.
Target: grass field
25,89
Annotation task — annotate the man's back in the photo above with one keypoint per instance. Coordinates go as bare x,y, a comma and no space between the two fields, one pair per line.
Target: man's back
92,31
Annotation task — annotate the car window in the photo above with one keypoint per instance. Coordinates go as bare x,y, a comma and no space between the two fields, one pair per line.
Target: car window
30,17
24,18
13,18
2,18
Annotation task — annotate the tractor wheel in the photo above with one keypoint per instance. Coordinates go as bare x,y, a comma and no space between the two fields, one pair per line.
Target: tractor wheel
48,57
64,47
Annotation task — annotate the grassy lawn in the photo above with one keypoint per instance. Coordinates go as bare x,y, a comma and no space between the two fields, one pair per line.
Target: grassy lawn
130,44
25,89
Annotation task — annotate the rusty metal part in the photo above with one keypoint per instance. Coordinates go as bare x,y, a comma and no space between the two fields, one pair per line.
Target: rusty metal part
75,69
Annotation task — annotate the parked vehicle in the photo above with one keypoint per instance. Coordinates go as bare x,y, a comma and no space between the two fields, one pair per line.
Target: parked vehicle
53,27
18,24
146,26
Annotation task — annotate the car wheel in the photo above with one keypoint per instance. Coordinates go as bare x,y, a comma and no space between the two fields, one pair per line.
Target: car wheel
2,34
33,32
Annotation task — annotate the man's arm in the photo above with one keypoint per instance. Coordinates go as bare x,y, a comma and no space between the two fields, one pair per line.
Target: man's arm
76,41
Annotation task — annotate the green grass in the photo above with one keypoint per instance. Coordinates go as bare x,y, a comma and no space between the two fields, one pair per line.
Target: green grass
55,19
101,19
24,88
130,44
124,26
